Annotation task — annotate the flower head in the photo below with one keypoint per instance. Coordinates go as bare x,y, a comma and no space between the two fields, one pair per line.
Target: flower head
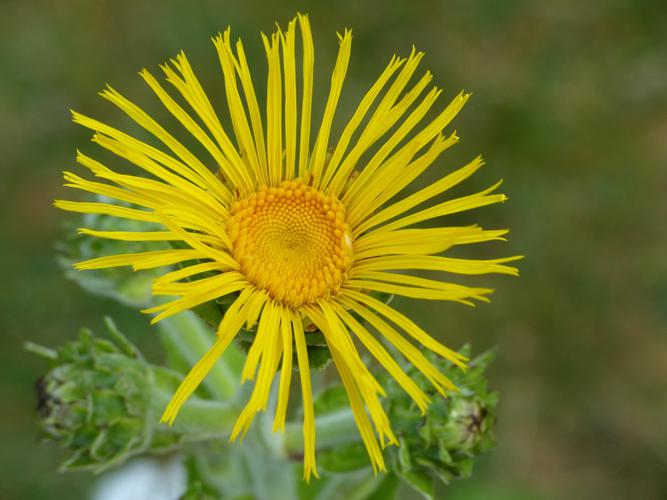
296,233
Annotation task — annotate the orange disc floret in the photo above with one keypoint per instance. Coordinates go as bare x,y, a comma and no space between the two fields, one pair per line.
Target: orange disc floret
292,241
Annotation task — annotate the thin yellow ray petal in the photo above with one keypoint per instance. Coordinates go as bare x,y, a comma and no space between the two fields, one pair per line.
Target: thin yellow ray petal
268,325
457,205
189,271
161,195
329,324
86,207
143,119
428,133
274,126
256,309
145,236
210,227
385,359
192,91
93,165
142,155
229,326
176,186
414,281
193,240
423,195
358,117
383,118
199,296
337,78
289,70
253,110
271,360
438,263
156,195
415,292
187,121
378,193
411,353
270,357
307,96
388,106
356,190
140,260
130,235
393,182
388,110
193,379
360,416
379,165
408,99
358,211
421,241
309,463
167,260
193,287
408,326
191,291
129,142
236,110
76,182
338,339
286,371
352,385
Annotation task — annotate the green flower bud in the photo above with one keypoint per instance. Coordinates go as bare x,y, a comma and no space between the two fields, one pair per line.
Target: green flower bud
442,444
99,401
438,446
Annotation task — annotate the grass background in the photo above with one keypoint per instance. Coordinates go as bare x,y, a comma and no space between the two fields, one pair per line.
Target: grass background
569,106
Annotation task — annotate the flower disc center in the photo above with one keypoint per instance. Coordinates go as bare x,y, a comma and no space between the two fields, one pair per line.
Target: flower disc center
292,241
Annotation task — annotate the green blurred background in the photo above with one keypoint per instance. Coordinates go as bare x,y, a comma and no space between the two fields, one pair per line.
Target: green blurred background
569,106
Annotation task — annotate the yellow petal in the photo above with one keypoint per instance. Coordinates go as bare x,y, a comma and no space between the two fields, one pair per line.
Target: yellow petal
408,326
286,371
385,359
337,79
289,70
439,381
309,464
229,326
307,93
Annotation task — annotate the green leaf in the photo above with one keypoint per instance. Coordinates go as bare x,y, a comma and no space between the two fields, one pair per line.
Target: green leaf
421,482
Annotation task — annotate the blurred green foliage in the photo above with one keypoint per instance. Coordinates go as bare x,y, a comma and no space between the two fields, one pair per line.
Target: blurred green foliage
568,106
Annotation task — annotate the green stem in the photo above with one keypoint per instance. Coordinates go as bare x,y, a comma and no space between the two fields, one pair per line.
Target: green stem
199,419
333,429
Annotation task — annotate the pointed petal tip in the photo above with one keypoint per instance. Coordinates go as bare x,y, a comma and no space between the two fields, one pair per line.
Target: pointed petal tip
168,417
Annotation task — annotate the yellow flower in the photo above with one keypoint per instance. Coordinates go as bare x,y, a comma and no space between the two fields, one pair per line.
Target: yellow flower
299,234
